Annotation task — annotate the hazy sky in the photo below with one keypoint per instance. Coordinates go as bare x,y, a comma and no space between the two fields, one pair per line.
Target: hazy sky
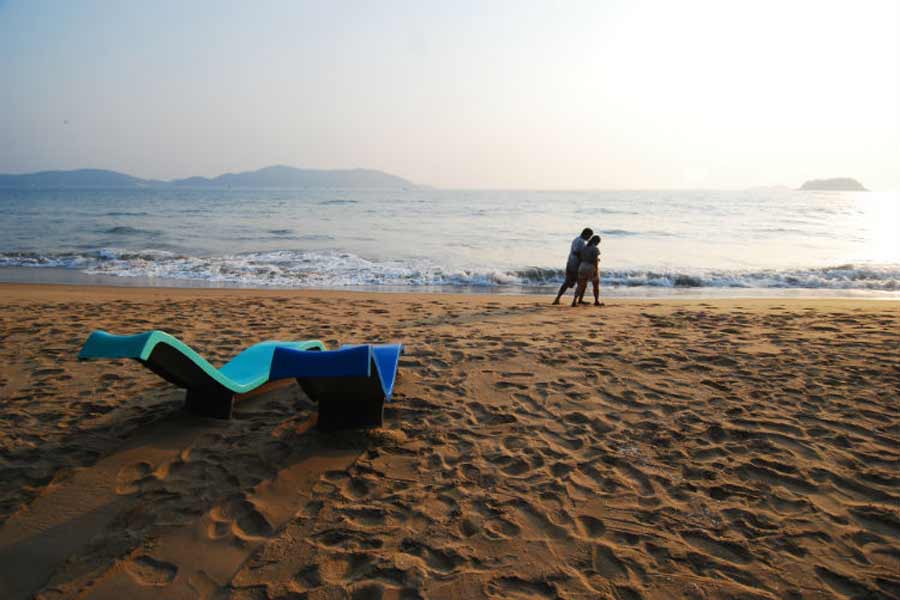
592,94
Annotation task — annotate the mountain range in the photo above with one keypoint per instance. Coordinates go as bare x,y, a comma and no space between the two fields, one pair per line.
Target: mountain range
278,176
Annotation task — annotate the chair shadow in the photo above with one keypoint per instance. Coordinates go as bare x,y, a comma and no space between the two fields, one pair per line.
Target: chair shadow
82,501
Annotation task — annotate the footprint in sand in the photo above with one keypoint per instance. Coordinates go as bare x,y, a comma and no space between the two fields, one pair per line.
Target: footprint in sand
362,517
469,527
347,540
513,466
606,563
470,472
239,517
844,584
516,587
500,528
514,442
443,561
130,479
356,488
340,568
353,488
307,578
147,571
590,527
723,549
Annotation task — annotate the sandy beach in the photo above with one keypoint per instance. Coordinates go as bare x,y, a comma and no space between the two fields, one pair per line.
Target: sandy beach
647,449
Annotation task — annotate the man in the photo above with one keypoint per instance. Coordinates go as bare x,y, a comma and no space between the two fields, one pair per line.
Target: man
574,259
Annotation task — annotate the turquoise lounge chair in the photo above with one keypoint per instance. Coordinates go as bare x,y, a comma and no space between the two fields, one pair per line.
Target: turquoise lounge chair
350,384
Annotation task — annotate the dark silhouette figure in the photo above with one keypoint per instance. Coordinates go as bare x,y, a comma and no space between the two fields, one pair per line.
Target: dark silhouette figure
573,261
589,270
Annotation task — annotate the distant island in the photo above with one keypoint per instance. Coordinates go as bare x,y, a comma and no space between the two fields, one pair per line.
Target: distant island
842,184
278,176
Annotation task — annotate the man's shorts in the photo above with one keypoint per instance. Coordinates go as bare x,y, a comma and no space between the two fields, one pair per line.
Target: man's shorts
571,278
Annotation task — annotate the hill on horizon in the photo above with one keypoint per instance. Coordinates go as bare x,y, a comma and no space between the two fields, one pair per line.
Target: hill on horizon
291,177
278,176
78,178
843,184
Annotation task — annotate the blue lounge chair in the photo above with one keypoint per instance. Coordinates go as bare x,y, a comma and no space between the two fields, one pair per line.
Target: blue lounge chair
344,382
350,385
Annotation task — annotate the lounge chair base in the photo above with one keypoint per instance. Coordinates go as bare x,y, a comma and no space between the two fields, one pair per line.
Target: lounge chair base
217,404
346,402
336,414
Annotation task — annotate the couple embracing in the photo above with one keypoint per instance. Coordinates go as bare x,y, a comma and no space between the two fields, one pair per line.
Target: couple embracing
583,266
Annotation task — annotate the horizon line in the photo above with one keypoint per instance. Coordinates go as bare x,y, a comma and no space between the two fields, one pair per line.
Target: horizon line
452,188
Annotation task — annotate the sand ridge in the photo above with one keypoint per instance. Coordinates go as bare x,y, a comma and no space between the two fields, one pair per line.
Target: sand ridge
645,450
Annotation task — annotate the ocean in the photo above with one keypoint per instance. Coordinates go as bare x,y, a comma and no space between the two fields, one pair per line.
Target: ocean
763,242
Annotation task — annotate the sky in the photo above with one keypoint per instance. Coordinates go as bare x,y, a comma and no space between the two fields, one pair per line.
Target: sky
590,94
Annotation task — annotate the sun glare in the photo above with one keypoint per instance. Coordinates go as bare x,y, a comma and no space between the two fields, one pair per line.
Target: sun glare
882,223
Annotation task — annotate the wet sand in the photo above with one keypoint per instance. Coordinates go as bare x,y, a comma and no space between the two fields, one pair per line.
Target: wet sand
648,449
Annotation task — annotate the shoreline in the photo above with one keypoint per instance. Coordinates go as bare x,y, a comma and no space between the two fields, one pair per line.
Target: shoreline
66,277
662,448
20,291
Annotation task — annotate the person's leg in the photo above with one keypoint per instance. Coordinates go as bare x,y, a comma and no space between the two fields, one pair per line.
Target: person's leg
570,282
588,279
579,291
596,283
562,290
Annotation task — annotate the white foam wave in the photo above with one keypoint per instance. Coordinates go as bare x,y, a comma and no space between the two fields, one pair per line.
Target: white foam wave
339,269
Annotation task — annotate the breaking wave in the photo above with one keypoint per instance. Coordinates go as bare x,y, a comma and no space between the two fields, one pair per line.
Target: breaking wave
340,270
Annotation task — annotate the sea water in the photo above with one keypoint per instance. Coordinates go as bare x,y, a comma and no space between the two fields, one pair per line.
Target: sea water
703,243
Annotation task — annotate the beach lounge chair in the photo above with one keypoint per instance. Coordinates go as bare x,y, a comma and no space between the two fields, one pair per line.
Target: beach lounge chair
346,378
350,385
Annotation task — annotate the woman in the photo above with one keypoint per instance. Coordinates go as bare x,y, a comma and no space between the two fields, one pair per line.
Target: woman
589,270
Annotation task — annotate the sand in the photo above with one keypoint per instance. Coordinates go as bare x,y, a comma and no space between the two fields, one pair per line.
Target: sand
648,449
